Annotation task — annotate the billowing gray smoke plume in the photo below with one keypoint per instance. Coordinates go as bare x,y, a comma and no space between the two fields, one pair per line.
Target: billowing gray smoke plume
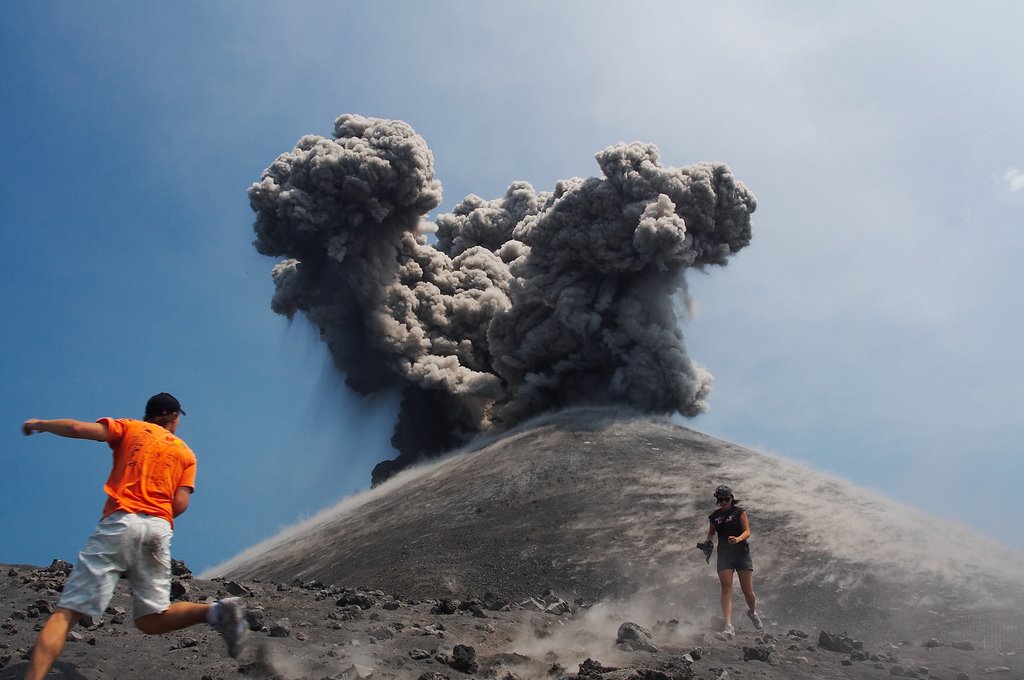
526,303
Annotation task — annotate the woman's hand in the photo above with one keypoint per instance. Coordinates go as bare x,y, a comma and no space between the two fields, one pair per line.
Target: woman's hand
733,540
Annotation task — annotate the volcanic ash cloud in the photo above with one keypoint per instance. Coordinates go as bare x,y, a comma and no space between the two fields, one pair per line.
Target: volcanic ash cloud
525,303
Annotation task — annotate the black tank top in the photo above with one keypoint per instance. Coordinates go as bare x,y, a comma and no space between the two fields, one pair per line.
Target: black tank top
727,523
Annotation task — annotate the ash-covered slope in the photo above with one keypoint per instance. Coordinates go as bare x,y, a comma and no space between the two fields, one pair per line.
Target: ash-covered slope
600,506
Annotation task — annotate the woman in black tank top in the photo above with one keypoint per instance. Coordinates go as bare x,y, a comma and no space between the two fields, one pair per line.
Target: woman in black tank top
731,524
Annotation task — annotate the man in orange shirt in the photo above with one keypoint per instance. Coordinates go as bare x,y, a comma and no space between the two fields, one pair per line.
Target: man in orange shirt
150,483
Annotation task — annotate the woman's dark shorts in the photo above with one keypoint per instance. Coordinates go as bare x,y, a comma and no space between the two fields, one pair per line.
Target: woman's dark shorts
735,557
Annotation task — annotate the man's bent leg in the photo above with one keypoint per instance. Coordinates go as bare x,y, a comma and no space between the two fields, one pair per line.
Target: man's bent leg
50,642
179,615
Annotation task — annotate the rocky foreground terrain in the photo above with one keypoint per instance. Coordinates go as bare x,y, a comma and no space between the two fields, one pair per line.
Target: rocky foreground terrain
342,632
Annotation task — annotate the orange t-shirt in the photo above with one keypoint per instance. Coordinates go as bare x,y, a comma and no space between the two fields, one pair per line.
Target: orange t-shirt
150,464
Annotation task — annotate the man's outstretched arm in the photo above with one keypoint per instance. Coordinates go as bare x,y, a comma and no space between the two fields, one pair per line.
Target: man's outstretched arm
65,427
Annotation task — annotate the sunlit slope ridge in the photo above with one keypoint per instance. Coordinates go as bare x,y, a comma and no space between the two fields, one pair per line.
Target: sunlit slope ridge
597,506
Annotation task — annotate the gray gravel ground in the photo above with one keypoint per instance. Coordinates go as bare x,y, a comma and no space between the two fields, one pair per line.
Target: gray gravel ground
319,631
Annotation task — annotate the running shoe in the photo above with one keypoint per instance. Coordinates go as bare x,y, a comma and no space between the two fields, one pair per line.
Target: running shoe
729,630
231,624
756,620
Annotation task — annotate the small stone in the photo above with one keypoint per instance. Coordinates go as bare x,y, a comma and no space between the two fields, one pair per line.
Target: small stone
419,654
281,629
237,589
964,645
380,632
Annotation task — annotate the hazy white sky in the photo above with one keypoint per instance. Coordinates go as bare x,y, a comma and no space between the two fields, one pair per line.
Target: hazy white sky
870,329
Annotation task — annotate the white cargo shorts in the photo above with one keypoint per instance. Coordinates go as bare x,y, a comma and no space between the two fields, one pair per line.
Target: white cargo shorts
133,545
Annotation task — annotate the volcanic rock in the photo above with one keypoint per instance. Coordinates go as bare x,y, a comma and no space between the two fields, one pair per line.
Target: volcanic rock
634,638
464,659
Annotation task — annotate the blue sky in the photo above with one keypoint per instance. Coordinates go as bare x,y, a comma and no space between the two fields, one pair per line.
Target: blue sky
869,330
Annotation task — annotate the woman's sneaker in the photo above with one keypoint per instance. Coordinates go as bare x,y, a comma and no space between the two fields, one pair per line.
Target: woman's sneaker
231,624
729,631
756,620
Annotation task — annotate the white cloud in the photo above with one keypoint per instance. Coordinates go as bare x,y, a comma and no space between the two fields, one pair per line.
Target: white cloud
1014,178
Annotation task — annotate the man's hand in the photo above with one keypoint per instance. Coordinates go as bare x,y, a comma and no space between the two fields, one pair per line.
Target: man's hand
733,540
31,426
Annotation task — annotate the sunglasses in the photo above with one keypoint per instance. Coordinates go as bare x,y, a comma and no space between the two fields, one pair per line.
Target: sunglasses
723,500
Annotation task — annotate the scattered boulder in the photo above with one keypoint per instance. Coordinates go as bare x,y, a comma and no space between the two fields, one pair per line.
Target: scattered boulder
282,628
352,612
446,607
358,599
633,638
180,569
256,618
60,567
532,605
179,591
843,643
492,602
380,632
758,653
591,668
237,589
464,659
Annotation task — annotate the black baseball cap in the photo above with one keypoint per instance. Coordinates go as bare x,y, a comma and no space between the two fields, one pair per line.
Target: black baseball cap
163,404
